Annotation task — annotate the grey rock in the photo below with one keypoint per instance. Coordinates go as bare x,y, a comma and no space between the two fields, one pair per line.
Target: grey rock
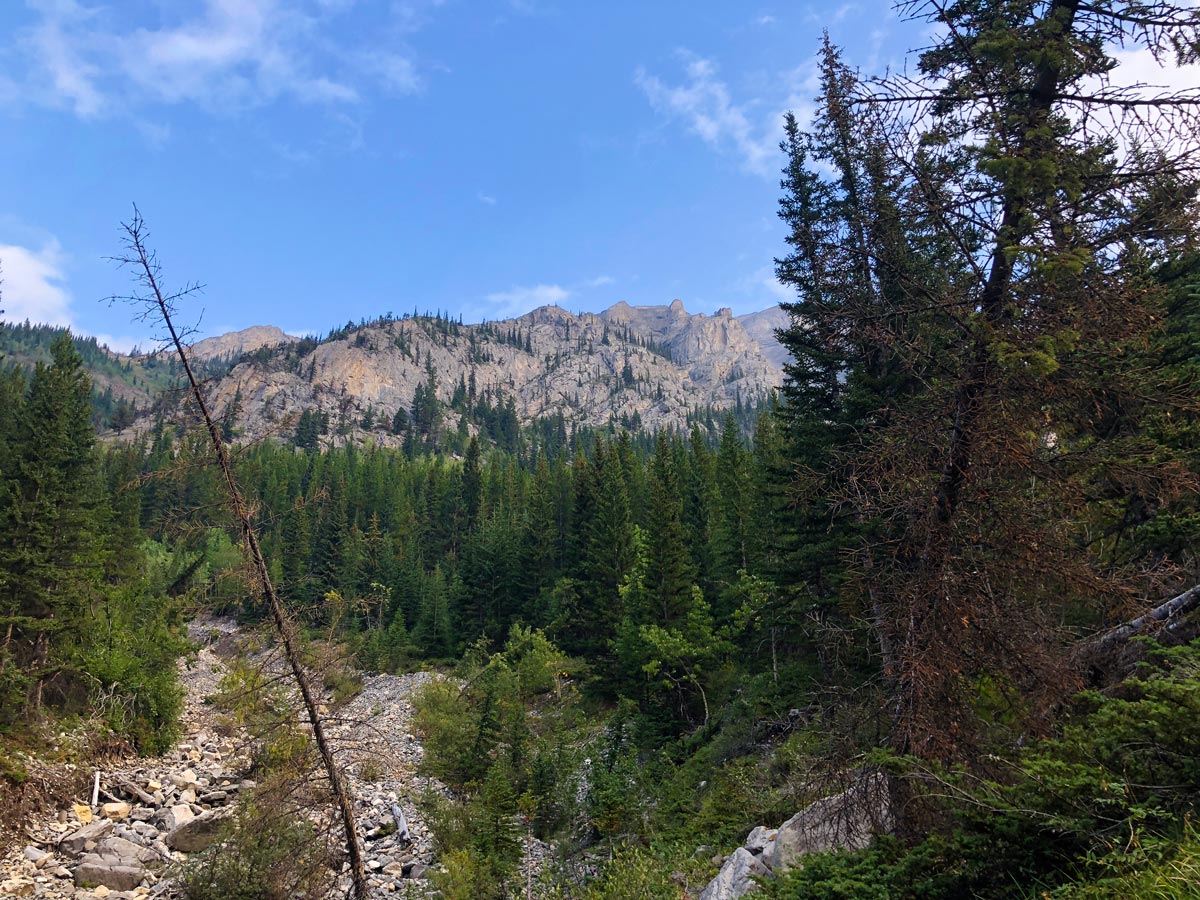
200,832
116,863
760,839
124,852
846,821
171,818
36,855
94,870
736,877
78,841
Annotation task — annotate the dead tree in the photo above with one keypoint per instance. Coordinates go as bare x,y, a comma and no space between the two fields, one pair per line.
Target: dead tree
159,306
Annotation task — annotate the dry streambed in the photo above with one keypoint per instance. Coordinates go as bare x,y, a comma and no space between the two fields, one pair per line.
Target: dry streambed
152,813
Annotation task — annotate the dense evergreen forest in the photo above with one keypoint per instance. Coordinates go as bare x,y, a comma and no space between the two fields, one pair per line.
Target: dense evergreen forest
921,561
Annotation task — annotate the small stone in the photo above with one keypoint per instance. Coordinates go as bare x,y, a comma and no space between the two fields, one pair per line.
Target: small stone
36,855
102,892
116,811
82,813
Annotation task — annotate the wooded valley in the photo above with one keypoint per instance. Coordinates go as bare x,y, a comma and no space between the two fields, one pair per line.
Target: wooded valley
942,582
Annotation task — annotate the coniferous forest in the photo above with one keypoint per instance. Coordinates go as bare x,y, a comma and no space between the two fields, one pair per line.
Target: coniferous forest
950,569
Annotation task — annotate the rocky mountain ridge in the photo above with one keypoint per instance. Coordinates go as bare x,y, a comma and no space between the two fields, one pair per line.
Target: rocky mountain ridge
649,366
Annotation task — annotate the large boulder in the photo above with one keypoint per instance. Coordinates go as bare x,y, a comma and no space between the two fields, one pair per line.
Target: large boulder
85,838
116,863
846,821
173,816
200,832
736,876
94,870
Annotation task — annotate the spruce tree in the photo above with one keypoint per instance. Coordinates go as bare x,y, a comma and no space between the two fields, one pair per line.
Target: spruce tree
51,554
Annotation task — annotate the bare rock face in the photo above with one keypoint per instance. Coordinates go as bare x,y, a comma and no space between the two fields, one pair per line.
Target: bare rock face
736,877
846,821
647,365
237,342
761,327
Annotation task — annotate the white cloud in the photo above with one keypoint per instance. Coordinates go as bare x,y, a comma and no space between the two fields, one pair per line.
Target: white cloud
486,199
124,343
765,19
599,281
520,300
221,54
1139,67
1138,75
34,284
751,128
762,287
34,287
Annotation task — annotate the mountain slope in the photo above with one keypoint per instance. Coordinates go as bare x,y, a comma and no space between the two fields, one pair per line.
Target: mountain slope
650,365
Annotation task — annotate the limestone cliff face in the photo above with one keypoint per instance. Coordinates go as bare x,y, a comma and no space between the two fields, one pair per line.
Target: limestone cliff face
652,364
237,342
761,326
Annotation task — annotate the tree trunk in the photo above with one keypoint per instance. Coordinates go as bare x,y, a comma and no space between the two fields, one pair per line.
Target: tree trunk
144,263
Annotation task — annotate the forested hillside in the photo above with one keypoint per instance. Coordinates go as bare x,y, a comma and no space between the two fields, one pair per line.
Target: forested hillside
932,606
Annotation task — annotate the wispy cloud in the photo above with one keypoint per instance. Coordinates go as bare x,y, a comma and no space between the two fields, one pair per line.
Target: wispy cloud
517,301
599,281
34,284
486,199
748,128
761,288
221,55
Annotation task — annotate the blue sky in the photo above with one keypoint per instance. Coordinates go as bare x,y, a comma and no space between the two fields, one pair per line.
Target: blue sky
318,161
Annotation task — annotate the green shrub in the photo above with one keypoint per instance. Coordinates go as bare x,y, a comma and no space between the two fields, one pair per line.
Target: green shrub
263,855
636,874
130,660
464,875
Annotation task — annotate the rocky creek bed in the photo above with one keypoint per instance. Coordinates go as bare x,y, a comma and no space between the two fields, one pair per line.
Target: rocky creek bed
151,813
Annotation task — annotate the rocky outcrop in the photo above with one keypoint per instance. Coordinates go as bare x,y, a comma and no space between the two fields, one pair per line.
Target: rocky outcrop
849,820
736,876
846,821
761,327
236,343
649,365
